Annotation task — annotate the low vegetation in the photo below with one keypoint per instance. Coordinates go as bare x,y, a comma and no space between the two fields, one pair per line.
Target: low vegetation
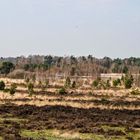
2,85
30,87
62,91
12,89
69,109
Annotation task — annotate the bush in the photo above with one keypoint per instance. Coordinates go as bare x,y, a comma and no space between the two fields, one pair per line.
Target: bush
6,90
68,82
135,92
43,85
103,85
27,80
12,89
62,91
95,83
34,78
73,85
30,89
104,101
2,85
107,84
116,82
99,84
40,84
90,93
128,81
47,82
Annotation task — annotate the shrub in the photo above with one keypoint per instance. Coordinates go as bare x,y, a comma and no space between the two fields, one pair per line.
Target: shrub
125,70
43,87
128,81
95,83
47,83
68,82
2,85
30,89
90,93
116,82
6,90
99,84
27,80
135,92
40,84
103,85
73,85
104,101
122,78
12,89
119,81
107,84
34,78
62,91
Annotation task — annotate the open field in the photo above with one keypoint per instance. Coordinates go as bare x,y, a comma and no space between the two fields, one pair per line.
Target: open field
78,115
69,70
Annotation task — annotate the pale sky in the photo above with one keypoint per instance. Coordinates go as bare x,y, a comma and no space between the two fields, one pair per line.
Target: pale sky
70,27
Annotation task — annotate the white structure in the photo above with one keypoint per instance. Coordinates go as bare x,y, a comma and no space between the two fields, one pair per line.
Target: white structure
112,75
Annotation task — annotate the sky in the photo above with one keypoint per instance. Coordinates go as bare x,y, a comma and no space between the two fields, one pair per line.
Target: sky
70,27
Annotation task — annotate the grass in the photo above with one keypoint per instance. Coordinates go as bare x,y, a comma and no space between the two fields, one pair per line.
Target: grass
44,134
127,135
60,135
12,119
134,136
92,136
107,128
63,135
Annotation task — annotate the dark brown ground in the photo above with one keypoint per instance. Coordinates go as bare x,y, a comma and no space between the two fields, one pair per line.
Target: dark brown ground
66,118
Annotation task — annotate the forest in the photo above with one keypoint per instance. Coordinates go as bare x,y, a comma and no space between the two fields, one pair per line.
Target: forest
70,65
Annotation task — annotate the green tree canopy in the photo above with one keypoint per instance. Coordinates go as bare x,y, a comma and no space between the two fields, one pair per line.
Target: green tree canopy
6,67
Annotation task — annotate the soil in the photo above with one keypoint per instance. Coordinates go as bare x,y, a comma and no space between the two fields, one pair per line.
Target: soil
66,118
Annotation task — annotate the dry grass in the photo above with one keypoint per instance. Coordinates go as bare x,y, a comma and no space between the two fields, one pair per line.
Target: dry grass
80,98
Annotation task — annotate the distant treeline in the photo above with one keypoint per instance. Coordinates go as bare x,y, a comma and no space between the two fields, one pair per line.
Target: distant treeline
70,65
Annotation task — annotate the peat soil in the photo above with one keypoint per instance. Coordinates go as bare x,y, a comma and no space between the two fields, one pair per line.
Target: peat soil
66,118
